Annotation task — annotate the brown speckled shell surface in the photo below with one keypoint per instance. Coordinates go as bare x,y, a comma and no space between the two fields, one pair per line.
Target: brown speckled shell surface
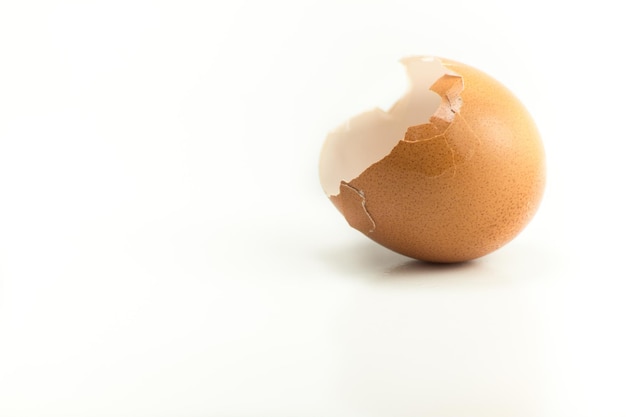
456,190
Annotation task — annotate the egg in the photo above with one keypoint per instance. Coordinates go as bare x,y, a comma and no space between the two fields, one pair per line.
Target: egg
454,170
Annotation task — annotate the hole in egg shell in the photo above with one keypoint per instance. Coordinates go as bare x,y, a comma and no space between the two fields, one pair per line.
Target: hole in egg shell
453,171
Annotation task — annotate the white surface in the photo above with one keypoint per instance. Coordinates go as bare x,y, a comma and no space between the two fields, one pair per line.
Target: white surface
166,249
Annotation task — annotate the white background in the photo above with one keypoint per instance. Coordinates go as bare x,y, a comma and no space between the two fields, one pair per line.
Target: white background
166,249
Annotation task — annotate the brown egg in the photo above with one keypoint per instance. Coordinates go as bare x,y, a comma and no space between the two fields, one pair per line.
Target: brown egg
453,171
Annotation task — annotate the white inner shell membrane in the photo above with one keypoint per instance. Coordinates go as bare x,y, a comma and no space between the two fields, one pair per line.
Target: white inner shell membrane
369,137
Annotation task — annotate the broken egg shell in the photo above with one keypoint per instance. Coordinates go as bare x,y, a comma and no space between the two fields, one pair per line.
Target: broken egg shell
453,188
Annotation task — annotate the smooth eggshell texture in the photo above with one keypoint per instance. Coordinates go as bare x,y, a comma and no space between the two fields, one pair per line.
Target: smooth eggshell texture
458,187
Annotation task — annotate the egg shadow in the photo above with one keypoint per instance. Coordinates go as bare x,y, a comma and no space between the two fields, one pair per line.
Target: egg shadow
415,266
372,261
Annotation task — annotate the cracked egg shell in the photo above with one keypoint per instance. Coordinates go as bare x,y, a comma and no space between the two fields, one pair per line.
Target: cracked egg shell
453,171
